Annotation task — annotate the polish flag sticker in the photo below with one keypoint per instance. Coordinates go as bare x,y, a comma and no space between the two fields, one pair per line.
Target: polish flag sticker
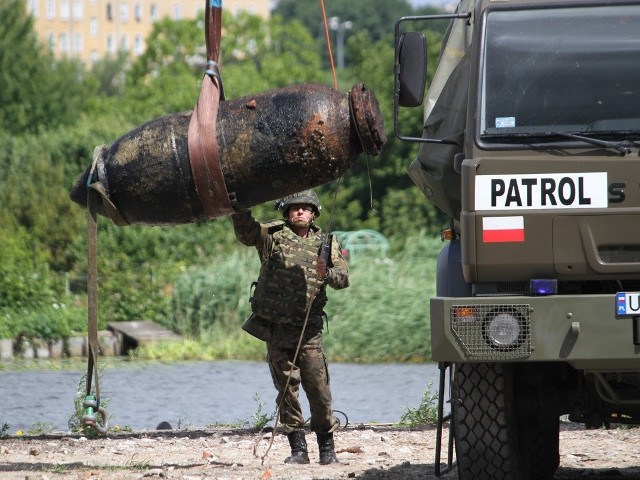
502,229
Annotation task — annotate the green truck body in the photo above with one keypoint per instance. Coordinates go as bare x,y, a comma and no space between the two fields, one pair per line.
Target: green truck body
531,146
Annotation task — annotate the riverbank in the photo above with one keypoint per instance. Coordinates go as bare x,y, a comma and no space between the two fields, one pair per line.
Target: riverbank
141,394
366,451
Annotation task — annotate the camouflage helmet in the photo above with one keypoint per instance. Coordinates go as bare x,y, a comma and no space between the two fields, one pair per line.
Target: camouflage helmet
306,196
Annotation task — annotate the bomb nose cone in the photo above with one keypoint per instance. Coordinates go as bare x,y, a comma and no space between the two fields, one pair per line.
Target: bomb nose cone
368,119
78,193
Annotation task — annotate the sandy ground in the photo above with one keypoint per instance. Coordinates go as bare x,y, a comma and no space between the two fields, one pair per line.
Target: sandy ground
367,452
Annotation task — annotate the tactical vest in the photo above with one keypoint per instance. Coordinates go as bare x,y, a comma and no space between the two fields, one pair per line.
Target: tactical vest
288,278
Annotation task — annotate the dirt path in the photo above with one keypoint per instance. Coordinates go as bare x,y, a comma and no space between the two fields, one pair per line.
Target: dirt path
367,452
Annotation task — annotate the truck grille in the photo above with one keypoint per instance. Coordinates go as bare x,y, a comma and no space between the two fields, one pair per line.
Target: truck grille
473,331
620,254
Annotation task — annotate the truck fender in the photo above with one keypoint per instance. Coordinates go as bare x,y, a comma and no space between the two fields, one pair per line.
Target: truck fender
450,280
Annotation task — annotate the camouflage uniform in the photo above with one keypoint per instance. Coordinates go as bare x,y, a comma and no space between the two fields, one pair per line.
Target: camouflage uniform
284,289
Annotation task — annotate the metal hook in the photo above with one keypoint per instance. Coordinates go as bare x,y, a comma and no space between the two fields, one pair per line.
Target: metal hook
91,406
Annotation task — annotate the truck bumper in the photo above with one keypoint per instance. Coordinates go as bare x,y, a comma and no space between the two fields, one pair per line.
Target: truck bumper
582,330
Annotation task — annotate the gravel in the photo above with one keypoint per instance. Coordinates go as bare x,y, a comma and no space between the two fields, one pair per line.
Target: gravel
366,452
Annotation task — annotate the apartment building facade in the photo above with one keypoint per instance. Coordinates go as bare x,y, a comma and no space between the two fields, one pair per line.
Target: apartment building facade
91,29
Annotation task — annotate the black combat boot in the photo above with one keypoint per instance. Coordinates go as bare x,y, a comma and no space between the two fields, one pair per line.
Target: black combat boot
299,453
327,452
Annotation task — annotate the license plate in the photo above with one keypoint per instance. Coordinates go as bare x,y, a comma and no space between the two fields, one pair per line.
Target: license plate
628,303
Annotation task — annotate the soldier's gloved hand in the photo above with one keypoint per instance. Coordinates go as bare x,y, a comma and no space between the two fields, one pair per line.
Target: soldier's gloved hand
321,268
233,200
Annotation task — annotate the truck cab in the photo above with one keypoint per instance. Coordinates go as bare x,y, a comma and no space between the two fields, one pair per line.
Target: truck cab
530,144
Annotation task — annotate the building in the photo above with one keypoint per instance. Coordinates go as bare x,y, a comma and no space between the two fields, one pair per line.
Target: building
91,29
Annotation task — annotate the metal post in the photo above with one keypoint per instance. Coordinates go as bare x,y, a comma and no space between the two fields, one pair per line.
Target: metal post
340,27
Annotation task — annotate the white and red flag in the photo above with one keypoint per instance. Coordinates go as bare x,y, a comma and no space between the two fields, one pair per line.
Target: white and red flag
503,229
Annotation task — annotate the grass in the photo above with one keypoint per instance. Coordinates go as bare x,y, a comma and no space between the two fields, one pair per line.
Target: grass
425,414
382,317
40,428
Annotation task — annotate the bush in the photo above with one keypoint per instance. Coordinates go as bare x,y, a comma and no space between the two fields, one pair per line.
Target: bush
51,322
384,314
425,414
215,295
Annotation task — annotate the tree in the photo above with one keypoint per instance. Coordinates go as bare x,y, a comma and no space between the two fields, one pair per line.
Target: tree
35,90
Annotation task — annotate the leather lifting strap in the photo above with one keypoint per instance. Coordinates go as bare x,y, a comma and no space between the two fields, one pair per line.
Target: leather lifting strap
202,134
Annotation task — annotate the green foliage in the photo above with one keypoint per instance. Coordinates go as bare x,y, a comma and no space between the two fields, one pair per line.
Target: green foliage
166,78
35,91
229,344
375,17
425,414
40,428
46,322
195,278
384,314
24,274
375,319
259,419
216,294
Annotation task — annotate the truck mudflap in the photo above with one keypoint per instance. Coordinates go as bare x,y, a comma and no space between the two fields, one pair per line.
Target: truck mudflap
582,330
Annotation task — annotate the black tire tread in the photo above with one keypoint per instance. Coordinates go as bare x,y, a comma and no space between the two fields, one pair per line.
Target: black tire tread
485,423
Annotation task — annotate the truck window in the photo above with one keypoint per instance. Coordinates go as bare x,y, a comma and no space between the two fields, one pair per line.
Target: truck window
560,69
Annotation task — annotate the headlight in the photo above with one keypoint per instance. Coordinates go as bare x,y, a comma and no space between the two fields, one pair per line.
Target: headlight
503,331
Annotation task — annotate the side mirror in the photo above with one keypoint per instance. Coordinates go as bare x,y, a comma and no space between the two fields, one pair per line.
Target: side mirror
411,68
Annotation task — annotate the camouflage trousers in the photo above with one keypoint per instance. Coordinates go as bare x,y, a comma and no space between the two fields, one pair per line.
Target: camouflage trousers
310,371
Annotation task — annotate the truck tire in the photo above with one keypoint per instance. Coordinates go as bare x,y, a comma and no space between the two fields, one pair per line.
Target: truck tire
485,422
538,420
540,447
494,441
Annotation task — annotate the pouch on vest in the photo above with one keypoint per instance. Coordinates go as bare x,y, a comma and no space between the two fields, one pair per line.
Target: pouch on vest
258,327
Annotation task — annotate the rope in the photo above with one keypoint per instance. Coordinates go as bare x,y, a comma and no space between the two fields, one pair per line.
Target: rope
328,40
92,403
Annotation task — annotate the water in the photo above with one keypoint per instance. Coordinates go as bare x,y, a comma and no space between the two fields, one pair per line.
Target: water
197,394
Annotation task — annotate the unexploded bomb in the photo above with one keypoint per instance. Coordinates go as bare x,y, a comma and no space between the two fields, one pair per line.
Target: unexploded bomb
269,145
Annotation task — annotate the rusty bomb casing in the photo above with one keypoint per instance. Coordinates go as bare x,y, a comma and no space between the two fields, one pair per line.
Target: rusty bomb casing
270,145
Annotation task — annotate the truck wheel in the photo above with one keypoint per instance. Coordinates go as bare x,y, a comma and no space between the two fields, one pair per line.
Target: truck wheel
540,447
493,440
538,421
485,422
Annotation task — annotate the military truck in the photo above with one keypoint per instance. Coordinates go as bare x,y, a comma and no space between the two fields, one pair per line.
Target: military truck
530,145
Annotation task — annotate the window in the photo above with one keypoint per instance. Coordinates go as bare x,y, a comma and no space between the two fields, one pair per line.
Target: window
63,41
109,12
154,12
51,41
124,12
124,42
33,8
51,9
78,10
111,45
93,27
137,12
177,11
64,10
78,43
561,69
139,45
94,56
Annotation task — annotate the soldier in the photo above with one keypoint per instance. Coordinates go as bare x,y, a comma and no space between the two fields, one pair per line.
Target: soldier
292,280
